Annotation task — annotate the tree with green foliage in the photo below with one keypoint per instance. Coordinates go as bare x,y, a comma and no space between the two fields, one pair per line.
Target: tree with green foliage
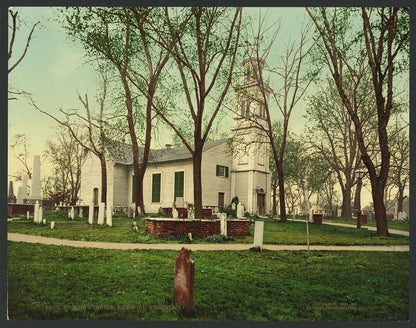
384,41
205,56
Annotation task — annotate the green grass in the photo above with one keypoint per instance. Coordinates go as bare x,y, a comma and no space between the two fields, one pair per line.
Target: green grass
58,282
370,223
275,232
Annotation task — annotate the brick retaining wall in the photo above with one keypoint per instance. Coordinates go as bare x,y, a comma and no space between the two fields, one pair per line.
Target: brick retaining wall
19,209
203,228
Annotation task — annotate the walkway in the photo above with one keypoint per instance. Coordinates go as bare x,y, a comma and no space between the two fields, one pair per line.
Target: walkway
17,237
392,231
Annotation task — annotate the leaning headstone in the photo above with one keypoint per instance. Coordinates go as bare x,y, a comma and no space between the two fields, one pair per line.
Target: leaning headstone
35,187
258,234
109,215
101,208
223,224
91,214
184,280
175,213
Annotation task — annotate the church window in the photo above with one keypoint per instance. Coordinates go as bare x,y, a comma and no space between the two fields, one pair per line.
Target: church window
156,187
179,176
222,171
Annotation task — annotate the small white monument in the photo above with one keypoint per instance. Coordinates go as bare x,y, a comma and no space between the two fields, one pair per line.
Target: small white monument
36,213
91,214
175,213
53,225
101,210
35,187
258,234
240,211
109,215
72,212
223,224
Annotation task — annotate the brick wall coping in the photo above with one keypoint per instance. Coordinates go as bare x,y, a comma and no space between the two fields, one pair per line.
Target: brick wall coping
182,220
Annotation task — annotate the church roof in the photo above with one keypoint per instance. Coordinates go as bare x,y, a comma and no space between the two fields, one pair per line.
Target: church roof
122,153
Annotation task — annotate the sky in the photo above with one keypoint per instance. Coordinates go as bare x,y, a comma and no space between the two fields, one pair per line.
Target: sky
55,71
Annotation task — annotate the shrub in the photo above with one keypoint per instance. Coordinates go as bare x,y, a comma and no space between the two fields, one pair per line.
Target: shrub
229,211
216,239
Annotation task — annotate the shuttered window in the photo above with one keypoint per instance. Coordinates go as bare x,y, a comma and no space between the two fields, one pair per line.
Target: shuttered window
156,187
222,171
178,184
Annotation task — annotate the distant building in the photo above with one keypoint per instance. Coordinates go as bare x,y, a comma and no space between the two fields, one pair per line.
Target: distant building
169,176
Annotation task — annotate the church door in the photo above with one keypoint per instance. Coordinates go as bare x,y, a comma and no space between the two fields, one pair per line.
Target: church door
260,203
95,196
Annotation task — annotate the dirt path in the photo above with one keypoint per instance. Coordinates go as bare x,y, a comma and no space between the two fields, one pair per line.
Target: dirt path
196,247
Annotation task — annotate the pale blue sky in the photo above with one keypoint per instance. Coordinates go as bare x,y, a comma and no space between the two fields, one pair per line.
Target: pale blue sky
54,71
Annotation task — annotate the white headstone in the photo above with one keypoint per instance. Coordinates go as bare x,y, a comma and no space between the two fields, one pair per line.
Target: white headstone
53,225
109,215
44,221
174,213
223,224
91,214
81,212
339,212
40,215
101,210
72,212
179,202
258,234
36,212
240,211
27,215
35,187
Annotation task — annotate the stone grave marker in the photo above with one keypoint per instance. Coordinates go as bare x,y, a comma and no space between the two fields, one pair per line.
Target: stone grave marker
175,213
36,213
223,224
53,225
101,209
27,215
184,280
35,187
258,234
339,212
40,215
91,214
72,212
240,211
81,212
109,215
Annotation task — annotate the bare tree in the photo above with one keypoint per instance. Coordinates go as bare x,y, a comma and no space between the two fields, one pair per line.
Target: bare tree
93,124
13,28
384,35
285,97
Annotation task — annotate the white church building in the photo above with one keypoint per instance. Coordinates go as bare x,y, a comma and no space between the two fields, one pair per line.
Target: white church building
244,172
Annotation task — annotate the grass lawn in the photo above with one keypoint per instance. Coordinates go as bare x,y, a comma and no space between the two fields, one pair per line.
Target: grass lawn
58,282
370,223
275,232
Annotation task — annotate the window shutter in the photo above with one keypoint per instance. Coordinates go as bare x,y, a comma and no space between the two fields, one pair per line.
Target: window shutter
218,170
156,187
226,171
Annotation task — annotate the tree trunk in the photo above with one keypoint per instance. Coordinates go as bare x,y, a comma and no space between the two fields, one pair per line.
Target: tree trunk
282,201
274,208
138,197
103,179
346,203
380,211
400,199
197,160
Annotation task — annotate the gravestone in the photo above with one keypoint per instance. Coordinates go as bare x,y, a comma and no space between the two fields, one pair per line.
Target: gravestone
175,213
101,209
53,225
258,234
40,215
109,215
35,187
91,213
240,211
179,202
223,224
339,212
11,199
81,212
184,280
27,215
36,212
72,212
